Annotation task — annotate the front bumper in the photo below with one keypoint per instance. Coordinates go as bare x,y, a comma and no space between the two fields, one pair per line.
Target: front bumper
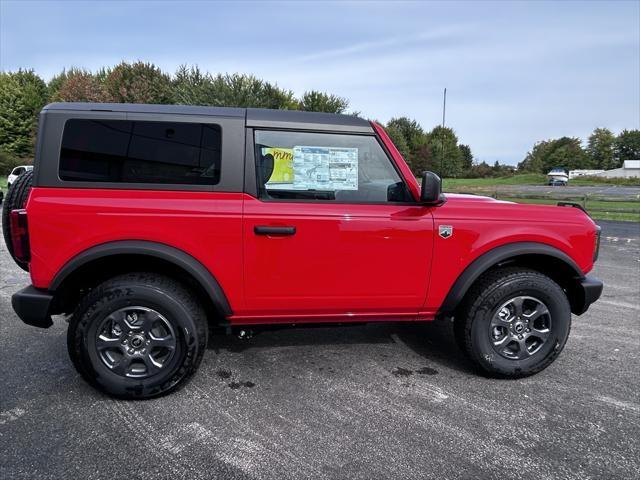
589,290
33,306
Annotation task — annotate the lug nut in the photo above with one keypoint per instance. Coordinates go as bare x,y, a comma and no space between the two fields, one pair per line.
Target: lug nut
520,337
131,351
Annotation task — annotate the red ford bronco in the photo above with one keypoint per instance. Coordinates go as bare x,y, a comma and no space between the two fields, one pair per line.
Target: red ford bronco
149,225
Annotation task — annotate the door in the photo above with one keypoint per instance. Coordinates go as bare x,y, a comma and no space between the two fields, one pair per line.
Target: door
334,230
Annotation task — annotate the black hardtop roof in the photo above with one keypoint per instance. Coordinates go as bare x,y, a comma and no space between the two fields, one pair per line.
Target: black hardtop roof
255,117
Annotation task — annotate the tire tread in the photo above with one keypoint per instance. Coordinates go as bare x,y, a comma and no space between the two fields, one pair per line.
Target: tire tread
17,197
94,299
483,288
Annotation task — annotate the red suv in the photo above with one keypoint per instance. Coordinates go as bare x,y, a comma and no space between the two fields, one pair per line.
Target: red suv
149,225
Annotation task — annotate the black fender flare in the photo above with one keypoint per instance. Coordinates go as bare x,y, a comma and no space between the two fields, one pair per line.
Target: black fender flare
496,256
162,251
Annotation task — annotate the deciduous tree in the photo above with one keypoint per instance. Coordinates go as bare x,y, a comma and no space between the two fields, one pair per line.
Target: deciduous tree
600,149
80,86
138,82
22,96
627,146
447,157
315,101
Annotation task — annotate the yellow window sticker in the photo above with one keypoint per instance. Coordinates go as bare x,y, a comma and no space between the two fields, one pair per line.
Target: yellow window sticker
282,165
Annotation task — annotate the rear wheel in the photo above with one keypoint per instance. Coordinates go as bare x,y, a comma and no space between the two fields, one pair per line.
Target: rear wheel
16,199
138,336
514,322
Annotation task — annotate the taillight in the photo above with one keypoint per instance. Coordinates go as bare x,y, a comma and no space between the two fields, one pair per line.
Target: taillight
20,235
596,250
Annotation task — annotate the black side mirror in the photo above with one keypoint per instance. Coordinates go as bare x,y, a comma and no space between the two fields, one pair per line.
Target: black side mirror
431,189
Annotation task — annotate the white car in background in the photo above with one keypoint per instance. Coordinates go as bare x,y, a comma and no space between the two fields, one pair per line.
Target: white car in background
16,172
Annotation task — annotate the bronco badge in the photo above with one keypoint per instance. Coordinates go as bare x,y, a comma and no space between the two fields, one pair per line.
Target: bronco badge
445,231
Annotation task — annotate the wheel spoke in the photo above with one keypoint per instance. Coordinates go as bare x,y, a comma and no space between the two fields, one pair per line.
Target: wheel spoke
503,342
543,335
106,343
118,319
163,342
148,319
499,322
517,306
141,336
523,351
537,313
122,366
152,366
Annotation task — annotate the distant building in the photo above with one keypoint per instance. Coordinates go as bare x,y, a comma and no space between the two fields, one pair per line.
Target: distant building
584,173
630,169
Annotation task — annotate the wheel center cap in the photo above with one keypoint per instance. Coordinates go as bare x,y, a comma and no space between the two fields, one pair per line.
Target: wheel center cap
137,341
518,327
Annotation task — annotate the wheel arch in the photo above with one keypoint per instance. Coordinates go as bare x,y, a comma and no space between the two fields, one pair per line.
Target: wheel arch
96,264
537,256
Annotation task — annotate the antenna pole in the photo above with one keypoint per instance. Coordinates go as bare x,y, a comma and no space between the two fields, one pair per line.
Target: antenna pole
444,111
444,106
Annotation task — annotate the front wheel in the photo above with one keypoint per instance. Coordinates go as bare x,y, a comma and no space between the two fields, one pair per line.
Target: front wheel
514,322
138,335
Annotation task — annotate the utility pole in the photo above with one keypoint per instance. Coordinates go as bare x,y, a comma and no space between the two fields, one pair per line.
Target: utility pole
444,111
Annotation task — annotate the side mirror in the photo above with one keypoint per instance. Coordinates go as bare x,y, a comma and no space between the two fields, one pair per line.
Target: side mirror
431,189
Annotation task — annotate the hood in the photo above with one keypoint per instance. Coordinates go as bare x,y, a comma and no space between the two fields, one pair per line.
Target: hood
487,208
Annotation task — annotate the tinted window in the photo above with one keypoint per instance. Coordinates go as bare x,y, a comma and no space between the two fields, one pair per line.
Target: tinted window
321,166
140,152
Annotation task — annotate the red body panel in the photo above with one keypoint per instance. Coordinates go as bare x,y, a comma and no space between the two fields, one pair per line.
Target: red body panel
346,262
481,224
344,259
66,221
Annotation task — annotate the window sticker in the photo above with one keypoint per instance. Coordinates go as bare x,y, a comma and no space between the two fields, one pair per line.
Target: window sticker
282,166
313,168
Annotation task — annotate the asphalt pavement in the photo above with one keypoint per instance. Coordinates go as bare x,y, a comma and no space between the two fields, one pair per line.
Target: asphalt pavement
373,401
602,190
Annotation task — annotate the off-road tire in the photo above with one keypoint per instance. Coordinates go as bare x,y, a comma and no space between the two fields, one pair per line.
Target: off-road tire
165,296
16,198
491,290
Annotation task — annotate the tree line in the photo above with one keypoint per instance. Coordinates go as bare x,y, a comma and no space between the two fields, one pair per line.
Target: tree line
604,151
23,94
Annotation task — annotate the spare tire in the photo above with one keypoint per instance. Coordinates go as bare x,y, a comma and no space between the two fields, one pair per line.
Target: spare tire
16,198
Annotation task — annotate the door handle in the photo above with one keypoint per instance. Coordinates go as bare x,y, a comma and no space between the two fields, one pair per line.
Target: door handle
276,231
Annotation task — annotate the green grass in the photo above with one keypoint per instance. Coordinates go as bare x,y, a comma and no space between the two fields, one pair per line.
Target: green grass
524,179
3,184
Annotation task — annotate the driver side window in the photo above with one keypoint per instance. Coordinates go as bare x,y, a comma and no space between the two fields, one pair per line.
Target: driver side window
327,167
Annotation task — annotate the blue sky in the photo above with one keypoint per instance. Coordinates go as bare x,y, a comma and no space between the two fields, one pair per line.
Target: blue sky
515,72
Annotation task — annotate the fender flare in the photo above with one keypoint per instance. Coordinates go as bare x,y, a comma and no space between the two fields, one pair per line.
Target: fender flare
162,251
495,256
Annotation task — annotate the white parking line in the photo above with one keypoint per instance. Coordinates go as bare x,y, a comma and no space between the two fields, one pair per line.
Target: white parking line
634,407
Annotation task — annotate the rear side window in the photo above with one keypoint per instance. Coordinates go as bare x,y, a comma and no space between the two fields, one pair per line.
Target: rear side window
323,166
122,151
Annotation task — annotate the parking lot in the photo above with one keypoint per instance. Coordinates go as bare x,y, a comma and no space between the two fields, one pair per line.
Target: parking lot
375,401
